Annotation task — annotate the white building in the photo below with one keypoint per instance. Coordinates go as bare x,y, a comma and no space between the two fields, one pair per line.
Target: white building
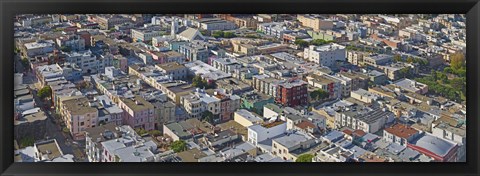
325,55
39,47
364,96
260,132
88,62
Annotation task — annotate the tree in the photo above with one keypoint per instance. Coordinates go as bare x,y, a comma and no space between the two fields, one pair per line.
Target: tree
27,141
447,70
251,36
397,58
304,158
25,63
197,81
45,92
207,116
112,29
155,133
301,43
218,34
410,60
229,35
457,61
141,131
178,146
318,42
319,94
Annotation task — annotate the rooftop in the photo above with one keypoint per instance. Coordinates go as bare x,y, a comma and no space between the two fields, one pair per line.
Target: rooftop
79,106
438,146
137,103
49,149
401,130
170,66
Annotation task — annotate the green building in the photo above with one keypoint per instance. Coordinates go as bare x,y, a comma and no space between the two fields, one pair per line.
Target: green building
255,101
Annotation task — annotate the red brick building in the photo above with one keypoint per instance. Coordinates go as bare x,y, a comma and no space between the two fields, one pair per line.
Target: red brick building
292,93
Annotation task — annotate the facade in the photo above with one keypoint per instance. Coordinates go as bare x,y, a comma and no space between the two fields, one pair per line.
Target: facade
88,62
261,132
194,52
325,55
138,113
284,146
212,24
78,115
174,69
316,23
370,121
400,134
292,93
246,118
39,48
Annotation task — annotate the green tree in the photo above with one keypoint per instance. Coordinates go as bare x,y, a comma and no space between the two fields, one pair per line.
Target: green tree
301,43
197,81
410,60
318,42
218,34
304,158
457,61
319,94
26,141
141,131
229,35
447,70
251,36
207,116
45,92
397,58
179,146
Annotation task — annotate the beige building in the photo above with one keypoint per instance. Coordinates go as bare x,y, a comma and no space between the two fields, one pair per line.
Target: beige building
316,23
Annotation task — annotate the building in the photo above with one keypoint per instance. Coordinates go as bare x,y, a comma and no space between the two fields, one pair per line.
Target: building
285,145
174,69
400,134
75,42
332,86
255,101
439,149
198,102
95,136
275,29
315,22
213,24
109,21
292,93
167,57
193,52
78,115
261,132
88,62
364,96
206,71
190,34
138,113
246,118
39,48
454,130
164,113
325,55
111,112
228,105
227,65
144,35
186,129
43,151
412,86
369,121
375,60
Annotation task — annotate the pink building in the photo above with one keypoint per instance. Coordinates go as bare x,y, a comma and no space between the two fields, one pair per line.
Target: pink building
138,113
78,115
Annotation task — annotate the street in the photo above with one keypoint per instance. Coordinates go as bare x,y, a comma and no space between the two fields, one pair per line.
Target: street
54,125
